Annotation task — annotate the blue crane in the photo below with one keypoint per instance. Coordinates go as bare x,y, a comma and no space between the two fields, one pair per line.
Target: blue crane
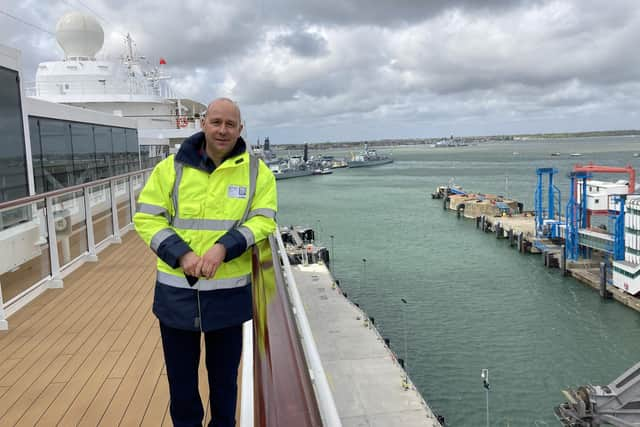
554,202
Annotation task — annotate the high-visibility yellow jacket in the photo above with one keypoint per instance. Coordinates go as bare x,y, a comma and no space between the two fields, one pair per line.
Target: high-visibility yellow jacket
189,205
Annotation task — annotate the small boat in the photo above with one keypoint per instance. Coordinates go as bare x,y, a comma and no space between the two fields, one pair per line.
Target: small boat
556,154
575,154
636,154
323,171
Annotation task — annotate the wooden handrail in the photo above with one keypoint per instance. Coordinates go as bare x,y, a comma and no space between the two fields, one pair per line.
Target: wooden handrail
283,392
54,193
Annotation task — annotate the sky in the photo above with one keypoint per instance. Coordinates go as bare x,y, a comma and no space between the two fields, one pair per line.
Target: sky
355,70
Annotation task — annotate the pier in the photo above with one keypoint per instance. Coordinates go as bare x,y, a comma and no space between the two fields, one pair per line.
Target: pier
368,381
495,215
369,385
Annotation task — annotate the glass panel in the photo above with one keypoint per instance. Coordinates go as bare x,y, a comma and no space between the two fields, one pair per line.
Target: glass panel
150,155
104,152
144,156
138,183
133,158
119,151
84,153
57,157
25,251
13,165
36,154
122,197
71,228
100,198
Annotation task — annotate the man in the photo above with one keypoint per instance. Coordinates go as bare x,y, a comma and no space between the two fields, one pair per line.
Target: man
200,212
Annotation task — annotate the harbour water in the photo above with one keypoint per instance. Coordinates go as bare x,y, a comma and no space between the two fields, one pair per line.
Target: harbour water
473,302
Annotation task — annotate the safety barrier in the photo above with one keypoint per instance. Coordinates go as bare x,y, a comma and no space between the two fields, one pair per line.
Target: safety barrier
82,220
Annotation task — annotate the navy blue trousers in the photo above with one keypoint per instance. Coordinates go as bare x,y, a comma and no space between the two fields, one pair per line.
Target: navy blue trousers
223,349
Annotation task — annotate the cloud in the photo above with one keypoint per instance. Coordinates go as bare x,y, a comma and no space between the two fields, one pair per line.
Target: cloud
304,43
352,65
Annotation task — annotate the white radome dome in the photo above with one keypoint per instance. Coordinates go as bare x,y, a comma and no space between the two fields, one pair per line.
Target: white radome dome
79,35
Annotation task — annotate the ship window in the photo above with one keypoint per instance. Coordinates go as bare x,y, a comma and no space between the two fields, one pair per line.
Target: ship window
119,151
133,158
104,151
84,153
13,165
69,153
57,154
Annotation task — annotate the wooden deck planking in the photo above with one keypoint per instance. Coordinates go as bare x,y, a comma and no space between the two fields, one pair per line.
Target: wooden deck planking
141,398
58,316
126,391
40,354
24,318
90,354
30,376
37,408
20,403
85,396
159,403
94,412
57,356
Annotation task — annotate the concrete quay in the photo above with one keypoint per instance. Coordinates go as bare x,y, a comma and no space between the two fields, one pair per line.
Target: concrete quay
370,387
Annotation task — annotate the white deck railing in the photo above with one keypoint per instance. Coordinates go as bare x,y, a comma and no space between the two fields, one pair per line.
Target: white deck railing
81,220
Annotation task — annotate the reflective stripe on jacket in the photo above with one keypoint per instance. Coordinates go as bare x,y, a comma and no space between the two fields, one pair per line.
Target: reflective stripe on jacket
185,207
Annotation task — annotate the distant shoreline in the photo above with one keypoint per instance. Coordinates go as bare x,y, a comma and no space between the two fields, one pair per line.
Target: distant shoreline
461,140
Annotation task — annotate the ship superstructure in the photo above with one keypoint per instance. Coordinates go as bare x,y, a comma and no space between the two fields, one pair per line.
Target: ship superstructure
128,87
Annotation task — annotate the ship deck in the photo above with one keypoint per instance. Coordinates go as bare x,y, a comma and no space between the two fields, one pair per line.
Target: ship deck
89,354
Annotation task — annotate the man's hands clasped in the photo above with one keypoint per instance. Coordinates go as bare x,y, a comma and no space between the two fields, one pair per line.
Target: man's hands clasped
205,266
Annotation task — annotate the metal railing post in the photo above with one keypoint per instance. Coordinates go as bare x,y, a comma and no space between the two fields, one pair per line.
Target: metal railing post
88,217
4,325
132,198
246,397
114,212
56,280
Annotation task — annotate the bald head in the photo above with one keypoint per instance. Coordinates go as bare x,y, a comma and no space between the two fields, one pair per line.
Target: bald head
221,127
217,101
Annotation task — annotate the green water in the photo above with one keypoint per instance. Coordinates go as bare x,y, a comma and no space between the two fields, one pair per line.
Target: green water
473,302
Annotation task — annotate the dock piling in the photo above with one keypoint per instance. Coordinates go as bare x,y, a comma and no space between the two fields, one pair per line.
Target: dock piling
563,260
604,293
520,240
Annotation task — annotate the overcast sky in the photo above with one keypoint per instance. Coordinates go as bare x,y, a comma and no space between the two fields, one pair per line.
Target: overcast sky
345,70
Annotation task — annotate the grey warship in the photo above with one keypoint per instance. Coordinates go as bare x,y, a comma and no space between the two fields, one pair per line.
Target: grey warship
368,158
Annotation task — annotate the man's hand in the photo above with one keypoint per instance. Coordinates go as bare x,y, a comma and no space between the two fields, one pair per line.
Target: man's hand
212,260
191,264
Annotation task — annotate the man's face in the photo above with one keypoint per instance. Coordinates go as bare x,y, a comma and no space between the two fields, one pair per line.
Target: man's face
222,128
